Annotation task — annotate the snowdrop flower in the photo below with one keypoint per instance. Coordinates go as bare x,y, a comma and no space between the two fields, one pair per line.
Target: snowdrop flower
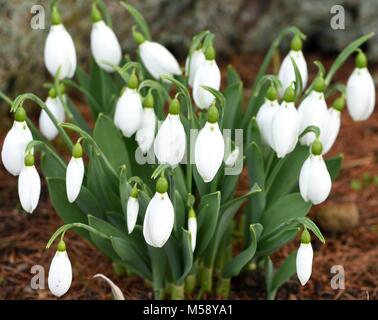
54,104
332,126
105,46
265,115
156,58
314,179
209,147
75,173
170,142
129,110
60,272
15,142
193,63
29,185
207,74
304,258
146,133
159,217
60,51
232,158
313,111
360,91
132,209
285,125
192,227
286,73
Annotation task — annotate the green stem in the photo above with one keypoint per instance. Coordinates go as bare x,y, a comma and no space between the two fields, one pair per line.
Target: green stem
177,292
206,279
190,283
35,143
223,287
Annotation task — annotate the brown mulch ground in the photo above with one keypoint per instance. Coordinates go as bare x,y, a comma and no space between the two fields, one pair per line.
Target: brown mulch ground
23,237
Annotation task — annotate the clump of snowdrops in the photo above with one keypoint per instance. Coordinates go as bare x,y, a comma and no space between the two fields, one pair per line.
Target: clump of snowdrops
153,184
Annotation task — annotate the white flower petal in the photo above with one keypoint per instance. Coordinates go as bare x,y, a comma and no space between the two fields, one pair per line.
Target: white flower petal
331,130
207,74
198,57
304,262
158,60
264,120
60,274
360,94
192,228
170,142
159,220
232,158
105,46
60,52
13,151
29,188
46,126
129,112
209,151
146,133
132,213
74,178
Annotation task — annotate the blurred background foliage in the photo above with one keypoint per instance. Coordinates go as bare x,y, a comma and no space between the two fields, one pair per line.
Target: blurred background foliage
240,26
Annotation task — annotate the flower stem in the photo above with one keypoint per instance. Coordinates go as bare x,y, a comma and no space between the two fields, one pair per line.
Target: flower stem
223,287
177,292
190,283
206,279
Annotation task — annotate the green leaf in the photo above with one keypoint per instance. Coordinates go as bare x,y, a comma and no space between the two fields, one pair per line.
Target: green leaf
233,96
77,117
207,218
334,166
234,266
285,272
51,167
138,18
298,80
158,266
272,244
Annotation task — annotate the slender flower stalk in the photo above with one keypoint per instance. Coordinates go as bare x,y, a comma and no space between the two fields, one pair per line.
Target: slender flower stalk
60,272
75,173
15,142
29,185
304,258
159,218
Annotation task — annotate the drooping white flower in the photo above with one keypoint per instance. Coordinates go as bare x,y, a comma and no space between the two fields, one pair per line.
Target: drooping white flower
192,228
360,91
332,126
286,73
15,142
232,158
265,115
194,62
313,112
129,110
146,133
54,104
159,218
29,185
285,126
156,58
207,74
170,141
314,179
209,147
132,210
105,46
304,258
60,272
75,173
59,49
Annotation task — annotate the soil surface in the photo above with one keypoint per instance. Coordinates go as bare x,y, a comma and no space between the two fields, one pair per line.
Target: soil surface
23,236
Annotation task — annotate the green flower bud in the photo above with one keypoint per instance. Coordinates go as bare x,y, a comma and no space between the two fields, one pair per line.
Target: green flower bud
77,150
192,213
134,192
210,53
319,84
289,95
361,60
271,94
96,14
162,185
174,107
316,147
29,160
148,101
306,237
55,16
52,93
213,114
138,36
133,81
296,43
20,114
339,104
61,246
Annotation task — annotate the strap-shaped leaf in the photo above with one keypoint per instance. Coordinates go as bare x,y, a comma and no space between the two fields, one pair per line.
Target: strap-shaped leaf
138,18
158,266
233,96
334,166
284,272
234,266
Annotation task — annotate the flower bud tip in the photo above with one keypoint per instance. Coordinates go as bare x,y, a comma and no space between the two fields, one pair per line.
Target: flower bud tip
77,150
162,185
174,107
